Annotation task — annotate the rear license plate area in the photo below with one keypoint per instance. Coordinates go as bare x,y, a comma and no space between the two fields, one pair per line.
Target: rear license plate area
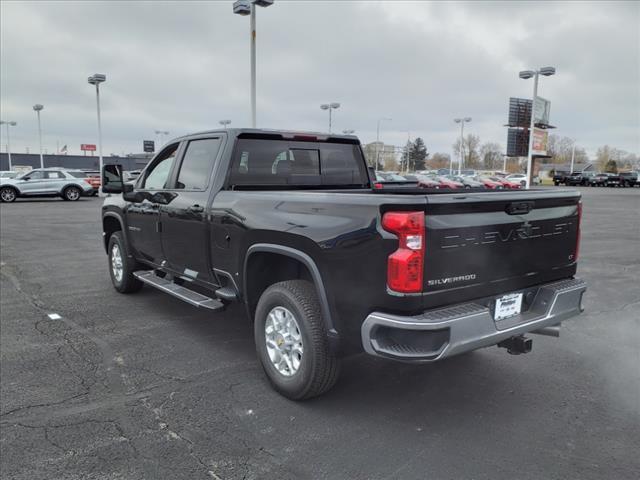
507,306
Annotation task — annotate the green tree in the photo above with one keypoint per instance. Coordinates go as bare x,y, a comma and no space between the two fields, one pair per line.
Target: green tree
418,155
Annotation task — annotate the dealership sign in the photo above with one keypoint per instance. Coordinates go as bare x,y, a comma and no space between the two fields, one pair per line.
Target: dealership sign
88,147
148,146
540,140
541,111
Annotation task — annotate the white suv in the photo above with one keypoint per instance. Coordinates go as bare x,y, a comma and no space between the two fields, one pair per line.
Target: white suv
44,182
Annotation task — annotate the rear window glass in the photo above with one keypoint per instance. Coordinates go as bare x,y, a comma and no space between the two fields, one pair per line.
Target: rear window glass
279,162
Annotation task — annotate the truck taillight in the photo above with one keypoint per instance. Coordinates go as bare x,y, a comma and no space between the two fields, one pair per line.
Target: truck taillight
405,266
577,252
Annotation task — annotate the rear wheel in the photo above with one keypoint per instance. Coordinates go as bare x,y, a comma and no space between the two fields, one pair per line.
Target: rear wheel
72,194
291,341
8,194
122,266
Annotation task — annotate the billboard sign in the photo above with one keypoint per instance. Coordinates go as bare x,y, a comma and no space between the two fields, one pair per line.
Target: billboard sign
541,111
540,141
519,112
88,147
148,146
517,142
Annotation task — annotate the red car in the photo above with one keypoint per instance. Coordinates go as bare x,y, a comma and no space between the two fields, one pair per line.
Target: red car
505,183
490,184
448,183
427,182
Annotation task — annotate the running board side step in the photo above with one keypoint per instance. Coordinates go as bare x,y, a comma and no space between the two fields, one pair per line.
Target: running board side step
186,295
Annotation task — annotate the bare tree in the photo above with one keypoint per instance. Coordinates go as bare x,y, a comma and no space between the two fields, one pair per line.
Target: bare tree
491,155
439,160
470,146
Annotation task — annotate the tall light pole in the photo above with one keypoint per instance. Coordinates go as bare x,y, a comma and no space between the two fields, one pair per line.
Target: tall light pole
461,121
96,79
8,124
525,75
244,8
159,135
37,107
382,119
330,106
573,154
224,123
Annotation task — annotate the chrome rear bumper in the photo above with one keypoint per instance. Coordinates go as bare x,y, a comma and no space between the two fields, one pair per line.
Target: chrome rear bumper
440,333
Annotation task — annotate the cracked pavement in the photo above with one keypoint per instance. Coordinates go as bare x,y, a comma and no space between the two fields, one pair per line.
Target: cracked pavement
145,387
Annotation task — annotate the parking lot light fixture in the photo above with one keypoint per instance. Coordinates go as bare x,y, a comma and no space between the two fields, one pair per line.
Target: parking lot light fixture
38,108
8,124
348,131
525,75
96,79
224,123
461,121
383,119
244,8
330,106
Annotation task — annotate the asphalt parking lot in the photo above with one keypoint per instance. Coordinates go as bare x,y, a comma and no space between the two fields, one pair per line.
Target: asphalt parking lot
145,387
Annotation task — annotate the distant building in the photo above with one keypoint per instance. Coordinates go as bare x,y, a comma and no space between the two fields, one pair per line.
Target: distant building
130,162
545,169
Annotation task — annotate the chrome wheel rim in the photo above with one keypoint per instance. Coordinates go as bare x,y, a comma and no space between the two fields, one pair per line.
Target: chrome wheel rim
72,194
116,263
283,341
8,195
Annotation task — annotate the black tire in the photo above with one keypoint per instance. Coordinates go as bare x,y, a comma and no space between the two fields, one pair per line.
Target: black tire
127,283
319,367
8,194
557,184
72,194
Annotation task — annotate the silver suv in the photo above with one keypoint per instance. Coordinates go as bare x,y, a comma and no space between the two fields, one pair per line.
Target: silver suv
44,182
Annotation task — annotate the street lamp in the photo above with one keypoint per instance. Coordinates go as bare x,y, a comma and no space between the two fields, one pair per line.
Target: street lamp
383,119
461,121
159,135
37,107
225,123
525,75
8,124
244,8
348,131
330,106
96,79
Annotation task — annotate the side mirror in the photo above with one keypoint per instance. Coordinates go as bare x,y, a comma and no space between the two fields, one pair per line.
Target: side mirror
25,178
112,179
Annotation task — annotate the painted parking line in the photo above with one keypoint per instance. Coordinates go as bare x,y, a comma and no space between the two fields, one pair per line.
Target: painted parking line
54,316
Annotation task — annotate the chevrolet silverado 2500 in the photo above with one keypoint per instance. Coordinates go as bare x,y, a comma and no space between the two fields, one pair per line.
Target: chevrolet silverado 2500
327,262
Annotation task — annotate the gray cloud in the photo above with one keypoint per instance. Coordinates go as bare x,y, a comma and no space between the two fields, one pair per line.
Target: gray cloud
182,66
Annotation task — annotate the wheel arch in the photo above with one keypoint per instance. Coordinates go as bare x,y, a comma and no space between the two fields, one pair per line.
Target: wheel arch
111,222
288,258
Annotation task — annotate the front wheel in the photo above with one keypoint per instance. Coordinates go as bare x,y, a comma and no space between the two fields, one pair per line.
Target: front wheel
121,266
291,341
8,194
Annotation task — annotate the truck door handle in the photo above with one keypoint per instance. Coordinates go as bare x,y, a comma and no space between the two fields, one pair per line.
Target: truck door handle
196,209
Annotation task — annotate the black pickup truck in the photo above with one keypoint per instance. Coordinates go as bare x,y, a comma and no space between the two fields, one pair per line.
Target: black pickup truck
328,262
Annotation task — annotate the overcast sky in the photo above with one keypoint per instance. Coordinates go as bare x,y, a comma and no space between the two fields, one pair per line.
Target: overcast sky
183,66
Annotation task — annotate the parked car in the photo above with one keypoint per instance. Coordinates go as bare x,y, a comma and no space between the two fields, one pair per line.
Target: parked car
289,225
44,182
490,184
598,180
559,178
506,183
629,179
467,182
573,179
8,174
91,177
131,175
613,180
446,182
428,181
521,178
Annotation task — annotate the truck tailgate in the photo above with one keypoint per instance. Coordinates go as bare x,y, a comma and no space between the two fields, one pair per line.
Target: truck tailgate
489,243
